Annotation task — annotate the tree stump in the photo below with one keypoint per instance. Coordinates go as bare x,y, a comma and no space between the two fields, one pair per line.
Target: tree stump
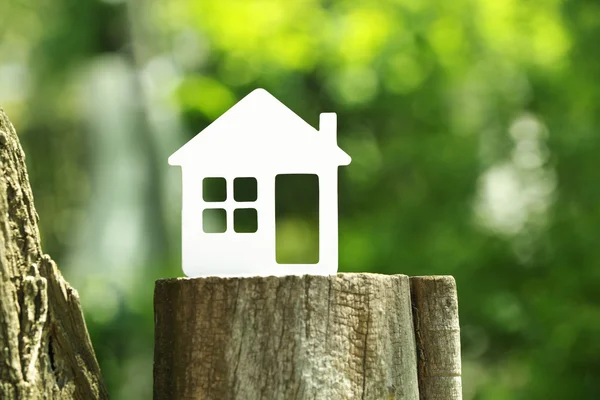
349,336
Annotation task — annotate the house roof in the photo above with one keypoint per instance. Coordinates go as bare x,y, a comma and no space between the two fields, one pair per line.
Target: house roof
260,129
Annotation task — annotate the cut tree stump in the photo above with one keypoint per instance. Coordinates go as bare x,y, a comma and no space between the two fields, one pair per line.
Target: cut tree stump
349,336
45,349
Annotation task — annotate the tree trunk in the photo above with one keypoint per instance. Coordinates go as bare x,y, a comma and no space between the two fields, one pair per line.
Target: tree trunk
348,336
45,349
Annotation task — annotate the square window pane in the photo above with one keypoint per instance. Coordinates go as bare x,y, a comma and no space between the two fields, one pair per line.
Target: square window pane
214,189
214,220
245,220
244,189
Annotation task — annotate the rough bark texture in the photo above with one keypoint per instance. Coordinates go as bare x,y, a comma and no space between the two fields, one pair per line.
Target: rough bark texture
45,349
348,336
435,312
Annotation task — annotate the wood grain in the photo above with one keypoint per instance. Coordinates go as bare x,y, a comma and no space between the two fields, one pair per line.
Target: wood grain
348,336
435,313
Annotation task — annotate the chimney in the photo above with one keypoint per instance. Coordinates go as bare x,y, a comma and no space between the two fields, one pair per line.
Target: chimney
328,127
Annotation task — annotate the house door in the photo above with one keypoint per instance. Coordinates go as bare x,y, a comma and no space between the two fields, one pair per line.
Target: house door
297,218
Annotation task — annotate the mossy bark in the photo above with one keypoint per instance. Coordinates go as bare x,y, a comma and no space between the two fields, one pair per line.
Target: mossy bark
45,349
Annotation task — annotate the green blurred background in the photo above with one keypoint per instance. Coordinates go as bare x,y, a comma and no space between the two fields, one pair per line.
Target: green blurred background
474,128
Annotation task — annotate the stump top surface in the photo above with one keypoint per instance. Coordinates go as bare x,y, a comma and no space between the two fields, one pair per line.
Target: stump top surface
341,275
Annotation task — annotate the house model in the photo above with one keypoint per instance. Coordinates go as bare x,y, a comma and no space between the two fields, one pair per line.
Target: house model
251,144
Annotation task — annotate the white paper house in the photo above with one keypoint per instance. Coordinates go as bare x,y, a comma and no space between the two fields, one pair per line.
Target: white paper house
259,137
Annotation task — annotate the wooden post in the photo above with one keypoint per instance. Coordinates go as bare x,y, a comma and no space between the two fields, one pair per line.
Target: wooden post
349,336
435,308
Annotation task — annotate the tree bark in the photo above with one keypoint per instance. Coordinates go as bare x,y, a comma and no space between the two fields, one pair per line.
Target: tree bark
435,308
45,349
348,336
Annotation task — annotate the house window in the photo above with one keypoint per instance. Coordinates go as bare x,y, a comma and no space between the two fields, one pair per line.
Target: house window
245,220
239,206
214,220
214,189
244,189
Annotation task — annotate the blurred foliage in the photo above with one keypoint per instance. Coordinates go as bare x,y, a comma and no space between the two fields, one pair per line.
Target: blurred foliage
473,126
